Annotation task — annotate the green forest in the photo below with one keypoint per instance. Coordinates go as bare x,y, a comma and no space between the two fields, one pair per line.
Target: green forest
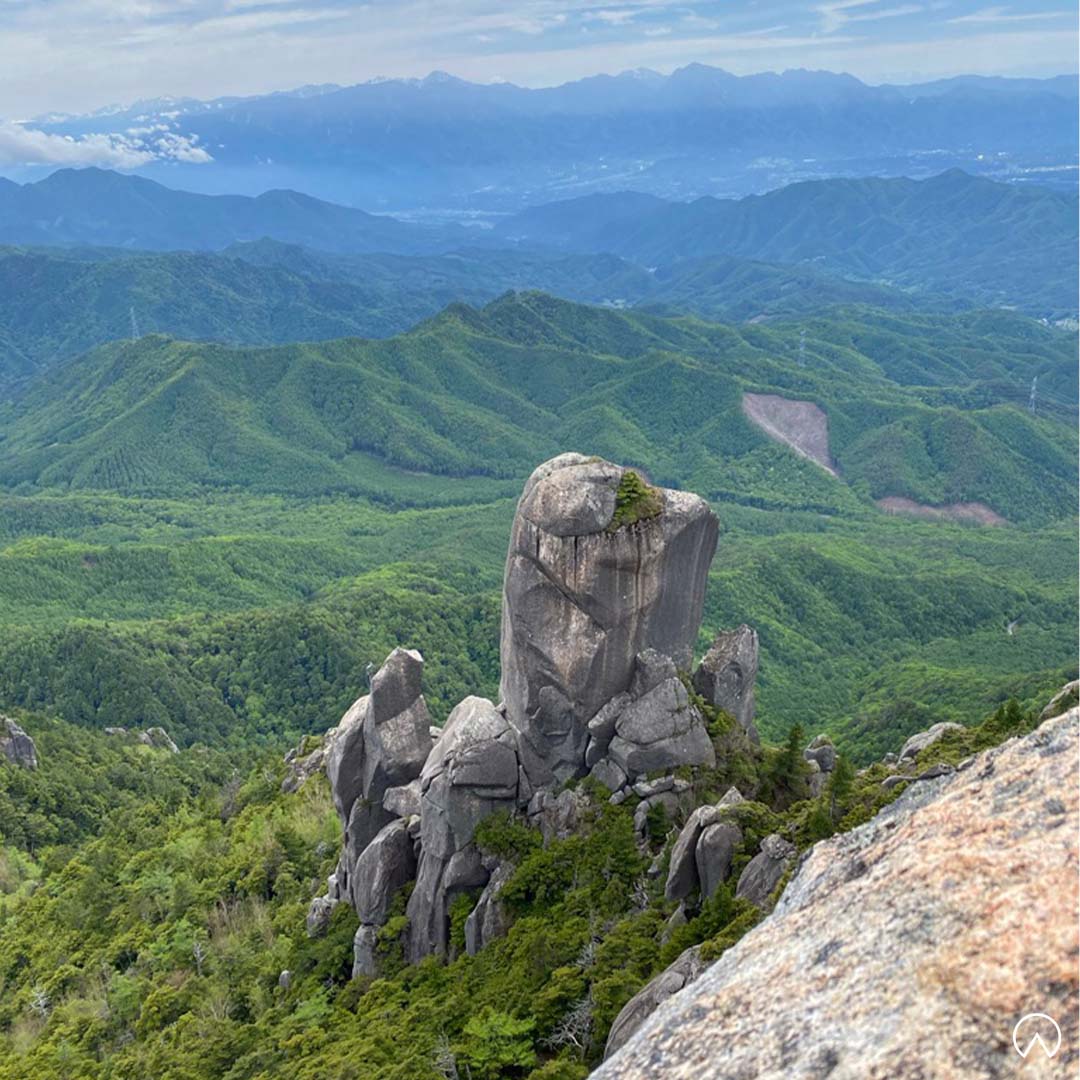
176,945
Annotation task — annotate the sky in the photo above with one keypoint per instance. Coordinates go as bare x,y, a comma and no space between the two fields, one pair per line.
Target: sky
79,55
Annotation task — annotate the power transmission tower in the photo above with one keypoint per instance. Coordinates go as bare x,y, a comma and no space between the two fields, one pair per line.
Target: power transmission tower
1031,400
135,335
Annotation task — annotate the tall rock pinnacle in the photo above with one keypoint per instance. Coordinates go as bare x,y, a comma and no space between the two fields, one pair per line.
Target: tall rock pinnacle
601,567
604,589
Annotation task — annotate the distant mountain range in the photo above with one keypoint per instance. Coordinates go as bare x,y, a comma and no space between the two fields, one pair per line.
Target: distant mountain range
286,267
444,143
953,233
99,207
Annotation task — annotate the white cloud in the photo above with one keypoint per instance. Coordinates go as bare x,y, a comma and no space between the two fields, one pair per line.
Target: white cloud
22,145
999,15
838,13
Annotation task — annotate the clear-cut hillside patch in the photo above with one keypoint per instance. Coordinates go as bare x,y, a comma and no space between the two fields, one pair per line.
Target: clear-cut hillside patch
977,512
802,425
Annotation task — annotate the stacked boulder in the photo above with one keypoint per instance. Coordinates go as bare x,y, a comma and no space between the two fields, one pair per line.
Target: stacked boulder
702,853
820,757
602,602
376,754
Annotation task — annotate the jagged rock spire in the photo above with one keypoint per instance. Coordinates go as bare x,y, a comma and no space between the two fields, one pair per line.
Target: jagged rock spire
583,595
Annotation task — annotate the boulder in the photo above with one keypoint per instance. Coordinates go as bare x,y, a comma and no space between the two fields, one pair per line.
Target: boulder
649,998
471,773
345,759
682,877
301,767
676,920
382,741
713,854
609,774
726,675
660,731
921,740
397,727
489,919
365,951
582,599
557,816
667,799
403,801
438,881
904,947
158,739
822,752
644,789
764,871
16,746
816,779
1062,700
385,866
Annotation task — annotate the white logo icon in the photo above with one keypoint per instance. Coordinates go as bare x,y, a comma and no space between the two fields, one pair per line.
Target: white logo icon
1035,1026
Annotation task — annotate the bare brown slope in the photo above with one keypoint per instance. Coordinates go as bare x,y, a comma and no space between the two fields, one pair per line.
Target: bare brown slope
802,425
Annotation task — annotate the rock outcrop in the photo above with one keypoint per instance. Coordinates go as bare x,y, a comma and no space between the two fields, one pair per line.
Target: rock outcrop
763,872
702,853
581,600
16,746
726,675
911,946
922,739
603,594
157,738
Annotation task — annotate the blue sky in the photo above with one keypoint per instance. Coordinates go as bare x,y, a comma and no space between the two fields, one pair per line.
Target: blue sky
77,55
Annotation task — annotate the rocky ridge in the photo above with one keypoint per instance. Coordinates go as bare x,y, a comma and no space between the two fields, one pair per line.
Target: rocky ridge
602,603
910,946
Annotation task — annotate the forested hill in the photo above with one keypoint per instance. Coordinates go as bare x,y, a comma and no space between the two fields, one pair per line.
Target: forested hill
922,407
953,233
56,303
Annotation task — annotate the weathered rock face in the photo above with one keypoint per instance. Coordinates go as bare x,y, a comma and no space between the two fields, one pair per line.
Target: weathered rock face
488,920
580,602
379,747
726,675
764,871
16,746
905,947
471,773
385,866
